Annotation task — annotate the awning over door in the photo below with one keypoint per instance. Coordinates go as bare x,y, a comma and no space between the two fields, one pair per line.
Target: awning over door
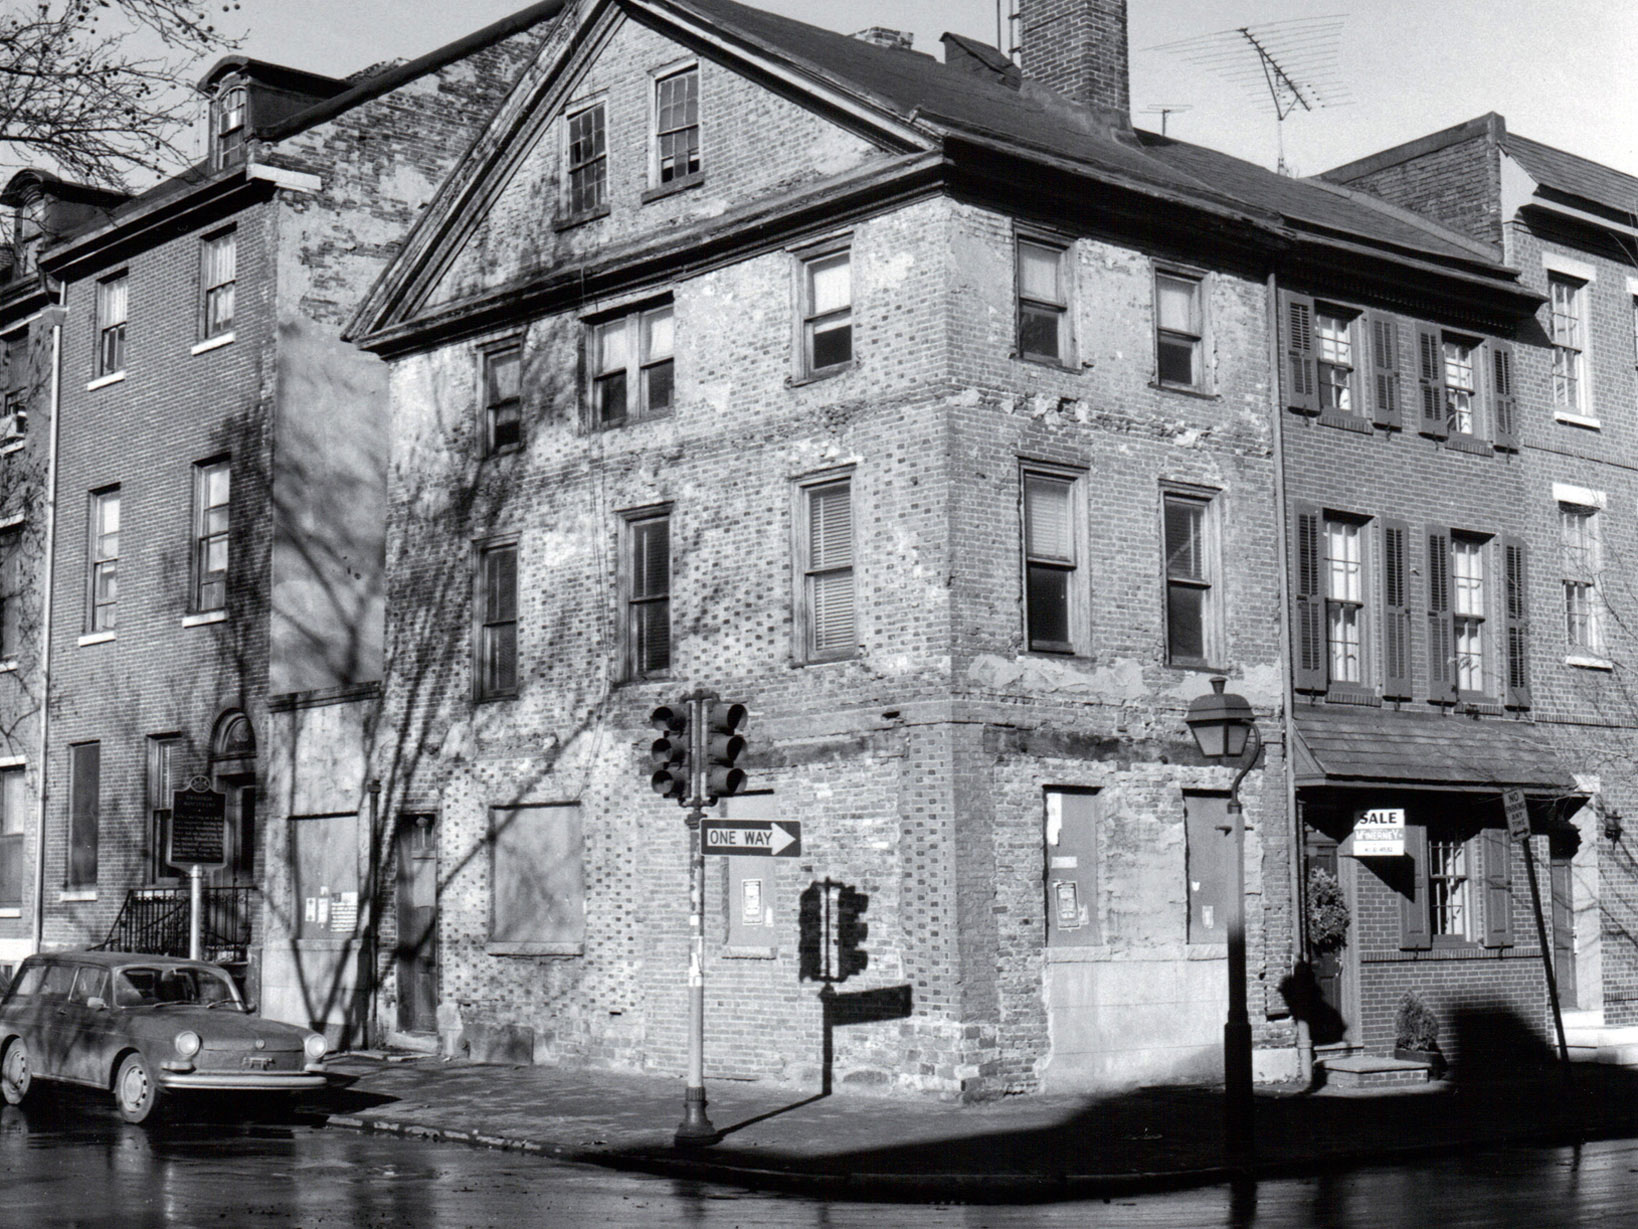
1346,745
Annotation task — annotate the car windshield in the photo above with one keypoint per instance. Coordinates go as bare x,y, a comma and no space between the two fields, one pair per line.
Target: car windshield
145,986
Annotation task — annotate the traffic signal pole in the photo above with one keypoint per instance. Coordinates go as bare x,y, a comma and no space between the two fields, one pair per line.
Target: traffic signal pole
695,1128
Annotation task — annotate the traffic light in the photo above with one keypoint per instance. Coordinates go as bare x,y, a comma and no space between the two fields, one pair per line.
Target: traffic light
723,746
669,753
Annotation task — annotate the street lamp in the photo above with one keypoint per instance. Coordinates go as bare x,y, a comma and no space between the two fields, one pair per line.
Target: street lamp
1223,725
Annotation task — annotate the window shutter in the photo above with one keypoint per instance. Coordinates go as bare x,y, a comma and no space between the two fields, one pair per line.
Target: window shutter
1310,647
830,559
1430,381
1301,371
1518,624
1498,887
1414,932
1396,611
1385,394
1441,628
1503,404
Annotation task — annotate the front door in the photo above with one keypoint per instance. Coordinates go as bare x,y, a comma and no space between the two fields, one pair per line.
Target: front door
417,952
1327,1022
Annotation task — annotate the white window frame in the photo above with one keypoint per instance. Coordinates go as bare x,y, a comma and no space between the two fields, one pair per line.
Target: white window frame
1062,307
811,322
809,572
207,532
112,324
1582,566
1195,336
1210,582
1462,356
1347,592
102,550
1567,307
1331,360
217,285
1470,611
1075,566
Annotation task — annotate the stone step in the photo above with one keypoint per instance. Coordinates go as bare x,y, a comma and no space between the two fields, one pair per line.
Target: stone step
1371,1071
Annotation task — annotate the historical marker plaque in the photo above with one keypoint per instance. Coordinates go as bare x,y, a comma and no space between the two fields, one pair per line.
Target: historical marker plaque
198,826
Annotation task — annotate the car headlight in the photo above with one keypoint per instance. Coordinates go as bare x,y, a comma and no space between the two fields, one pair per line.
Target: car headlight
315,1046
187,1043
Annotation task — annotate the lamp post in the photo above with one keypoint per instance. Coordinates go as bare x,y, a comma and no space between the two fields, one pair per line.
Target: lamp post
1223,725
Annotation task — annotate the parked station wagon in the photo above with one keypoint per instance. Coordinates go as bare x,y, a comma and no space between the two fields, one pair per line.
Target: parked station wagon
144,1027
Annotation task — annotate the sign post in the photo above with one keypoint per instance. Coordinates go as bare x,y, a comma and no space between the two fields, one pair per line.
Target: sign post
198,840
1518,827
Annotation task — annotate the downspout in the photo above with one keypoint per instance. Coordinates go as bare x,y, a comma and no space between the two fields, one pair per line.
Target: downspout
56,314
1299,912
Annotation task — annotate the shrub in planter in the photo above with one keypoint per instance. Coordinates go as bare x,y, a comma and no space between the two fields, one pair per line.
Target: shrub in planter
1416,1032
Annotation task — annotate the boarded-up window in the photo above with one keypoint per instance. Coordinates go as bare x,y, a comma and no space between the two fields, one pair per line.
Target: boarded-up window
752,884
1210,866
13,806
325,849
84,788
538,877
1072,917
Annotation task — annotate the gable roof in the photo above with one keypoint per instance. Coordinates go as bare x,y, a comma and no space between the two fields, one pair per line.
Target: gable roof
945,106
1573,175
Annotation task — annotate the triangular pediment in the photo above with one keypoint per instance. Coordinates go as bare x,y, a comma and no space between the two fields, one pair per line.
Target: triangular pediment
591,152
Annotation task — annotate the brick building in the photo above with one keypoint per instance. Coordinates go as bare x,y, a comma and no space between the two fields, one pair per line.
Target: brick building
200,507
1567,224
735,354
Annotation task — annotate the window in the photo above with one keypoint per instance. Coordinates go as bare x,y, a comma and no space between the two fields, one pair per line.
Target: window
1461,388
1209,840
647,632
1052,551
1568,302
1345,600
84,812
826,606
1073,818
1334,351
219,269
677,126
1043,304
104,555
588,161
11,594
1448,912
111,310
1179,331
19,384
827,312
210,535
1583,554
631,362
538,892
162,752
497,666
1468,587
13,810
502,397
230,126
1192,631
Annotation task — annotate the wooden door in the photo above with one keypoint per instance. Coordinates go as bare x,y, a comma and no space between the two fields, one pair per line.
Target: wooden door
1563,923
417,951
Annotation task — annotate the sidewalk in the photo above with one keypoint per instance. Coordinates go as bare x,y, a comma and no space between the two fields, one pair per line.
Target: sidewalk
1015,1150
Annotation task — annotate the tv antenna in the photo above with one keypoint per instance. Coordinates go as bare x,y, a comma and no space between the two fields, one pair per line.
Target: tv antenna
1163,109
1293,63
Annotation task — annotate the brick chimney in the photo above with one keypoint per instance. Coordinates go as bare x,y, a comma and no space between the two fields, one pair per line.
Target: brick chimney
1078,48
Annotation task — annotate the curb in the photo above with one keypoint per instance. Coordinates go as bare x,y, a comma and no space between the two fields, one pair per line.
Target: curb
953,1187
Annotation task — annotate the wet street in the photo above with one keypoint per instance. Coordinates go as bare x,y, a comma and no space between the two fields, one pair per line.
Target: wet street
74,1163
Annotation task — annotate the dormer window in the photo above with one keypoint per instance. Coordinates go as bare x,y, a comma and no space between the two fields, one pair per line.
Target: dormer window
228,135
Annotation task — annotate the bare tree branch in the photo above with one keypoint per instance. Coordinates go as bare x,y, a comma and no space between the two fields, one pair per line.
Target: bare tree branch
98,88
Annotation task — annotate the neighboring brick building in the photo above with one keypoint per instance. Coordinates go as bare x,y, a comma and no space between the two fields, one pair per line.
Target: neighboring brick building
735,355
207,463
1568,225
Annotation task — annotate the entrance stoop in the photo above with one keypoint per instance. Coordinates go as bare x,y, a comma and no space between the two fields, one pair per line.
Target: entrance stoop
1362,1071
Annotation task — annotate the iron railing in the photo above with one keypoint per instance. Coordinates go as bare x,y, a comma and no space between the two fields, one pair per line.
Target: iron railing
154,921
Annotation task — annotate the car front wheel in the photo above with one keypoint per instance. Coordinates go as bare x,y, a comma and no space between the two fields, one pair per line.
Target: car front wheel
16,1075
135,1091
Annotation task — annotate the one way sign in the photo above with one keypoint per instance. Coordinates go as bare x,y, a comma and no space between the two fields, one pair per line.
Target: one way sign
755,838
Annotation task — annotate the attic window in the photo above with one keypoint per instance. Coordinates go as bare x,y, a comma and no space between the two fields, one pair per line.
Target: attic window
229,130
677,126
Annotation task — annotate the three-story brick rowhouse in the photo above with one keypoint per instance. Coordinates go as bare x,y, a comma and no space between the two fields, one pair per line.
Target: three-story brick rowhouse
209,463
1568,225
930,411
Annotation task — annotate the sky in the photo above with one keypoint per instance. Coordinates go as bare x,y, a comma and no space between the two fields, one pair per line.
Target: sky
1558,70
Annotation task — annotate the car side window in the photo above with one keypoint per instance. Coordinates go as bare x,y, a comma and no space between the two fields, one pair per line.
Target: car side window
134,987
90,984
29,981
59,980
